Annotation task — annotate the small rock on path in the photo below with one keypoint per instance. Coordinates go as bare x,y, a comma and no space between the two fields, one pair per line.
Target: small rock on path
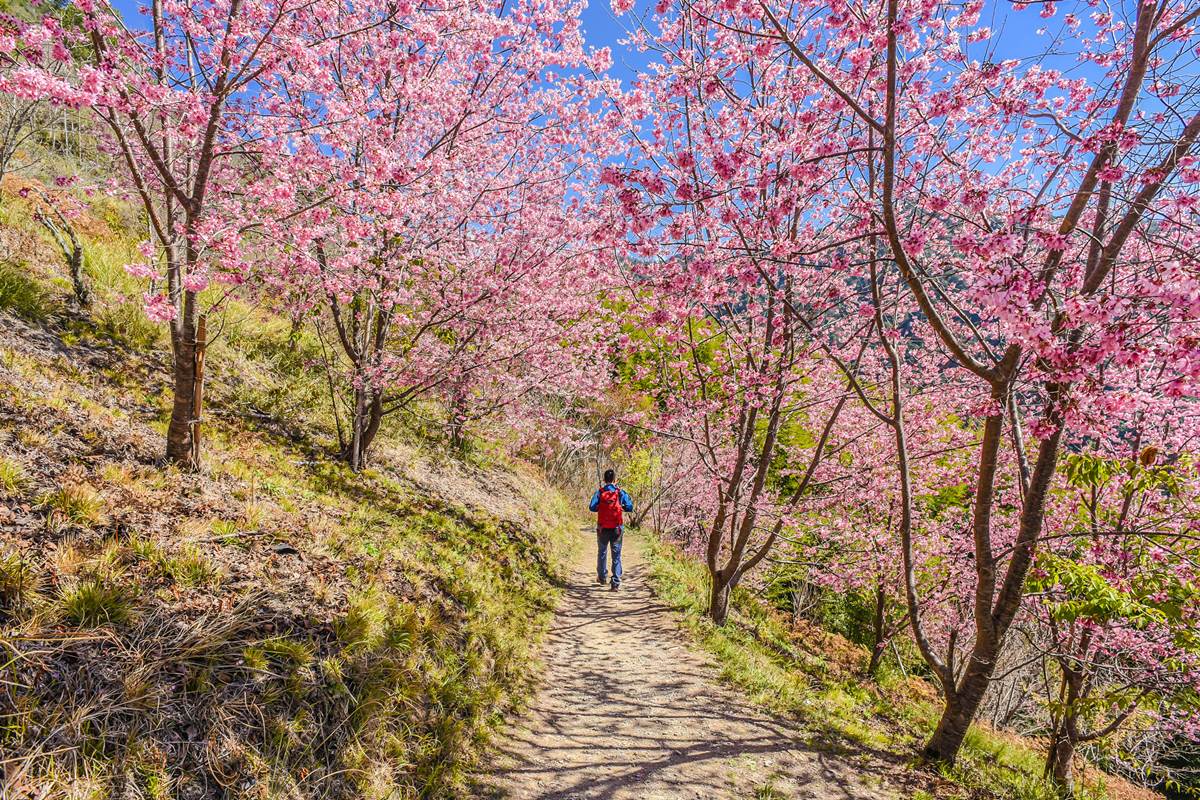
627,709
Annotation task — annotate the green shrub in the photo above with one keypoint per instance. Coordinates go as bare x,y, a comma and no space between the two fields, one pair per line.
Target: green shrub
22,295
848,614
93,603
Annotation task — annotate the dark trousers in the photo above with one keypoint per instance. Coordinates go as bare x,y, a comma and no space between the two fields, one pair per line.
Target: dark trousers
608,539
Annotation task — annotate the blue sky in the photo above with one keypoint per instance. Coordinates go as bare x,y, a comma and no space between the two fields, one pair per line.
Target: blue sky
1016,33
603,29
1018,30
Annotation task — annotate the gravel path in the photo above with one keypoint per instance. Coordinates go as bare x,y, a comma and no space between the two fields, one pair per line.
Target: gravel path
627,709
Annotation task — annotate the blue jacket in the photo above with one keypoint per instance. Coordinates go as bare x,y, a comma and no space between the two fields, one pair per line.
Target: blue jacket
626,503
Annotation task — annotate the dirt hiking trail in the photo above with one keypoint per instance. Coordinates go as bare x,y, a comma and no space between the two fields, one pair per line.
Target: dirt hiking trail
628,709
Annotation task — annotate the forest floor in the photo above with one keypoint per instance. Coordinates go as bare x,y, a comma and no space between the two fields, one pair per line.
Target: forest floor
627,708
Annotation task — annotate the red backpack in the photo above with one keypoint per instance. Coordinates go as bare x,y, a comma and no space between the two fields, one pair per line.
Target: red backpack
609,508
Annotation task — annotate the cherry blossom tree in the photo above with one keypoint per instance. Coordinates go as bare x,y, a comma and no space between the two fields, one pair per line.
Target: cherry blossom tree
736,378
19,116
185,101
848,541
1036,220
452,256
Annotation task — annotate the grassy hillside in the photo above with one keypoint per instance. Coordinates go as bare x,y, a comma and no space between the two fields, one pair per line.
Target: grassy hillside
272,626
818,676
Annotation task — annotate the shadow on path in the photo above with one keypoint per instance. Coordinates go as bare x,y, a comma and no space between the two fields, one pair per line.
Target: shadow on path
627,710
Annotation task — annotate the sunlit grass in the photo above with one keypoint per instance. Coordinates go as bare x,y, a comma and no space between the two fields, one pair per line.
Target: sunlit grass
23,296
19,583
12,477
74,504
94,602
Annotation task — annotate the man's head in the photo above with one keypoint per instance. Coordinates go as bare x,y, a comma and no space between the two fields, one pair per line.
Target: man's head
609,476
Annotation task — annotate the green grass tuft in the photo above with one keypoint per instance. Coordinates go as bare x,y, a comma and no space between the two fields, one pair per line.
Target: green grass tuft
19,583
189,567
291,652
75,503
768,792
93,603
186,567
12,478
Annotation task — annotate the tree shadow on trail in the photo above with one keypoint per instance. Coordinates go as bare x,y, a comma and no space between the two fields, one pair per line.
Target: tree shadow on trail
628,710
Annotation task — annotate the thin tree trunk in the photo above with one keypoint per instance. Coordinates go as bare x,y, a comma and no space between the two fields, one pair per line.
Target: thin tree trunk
718,602
180,449
198,384
68,243
373,421
1061,760
1061,755
358,426
78,285
365,422
880,643
1067,735
458,413
957,714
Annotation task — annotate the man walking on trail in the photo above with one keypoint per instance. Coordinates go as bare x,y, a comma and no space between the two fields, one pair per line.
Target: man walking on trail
608,502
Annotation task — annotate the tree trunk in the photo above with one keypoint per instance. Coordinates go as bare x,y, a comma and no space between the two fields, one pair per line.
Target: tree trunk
961,706
355,456
880,638
364,426
294,333
54,221
1060,758
1066,734
198,386
374,419
718,603
78,284
180,446
876,656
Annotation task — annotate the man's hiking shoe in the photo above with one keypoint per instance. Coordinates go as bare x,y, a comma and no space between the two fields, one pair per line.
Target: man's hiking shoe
600,579
615,586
